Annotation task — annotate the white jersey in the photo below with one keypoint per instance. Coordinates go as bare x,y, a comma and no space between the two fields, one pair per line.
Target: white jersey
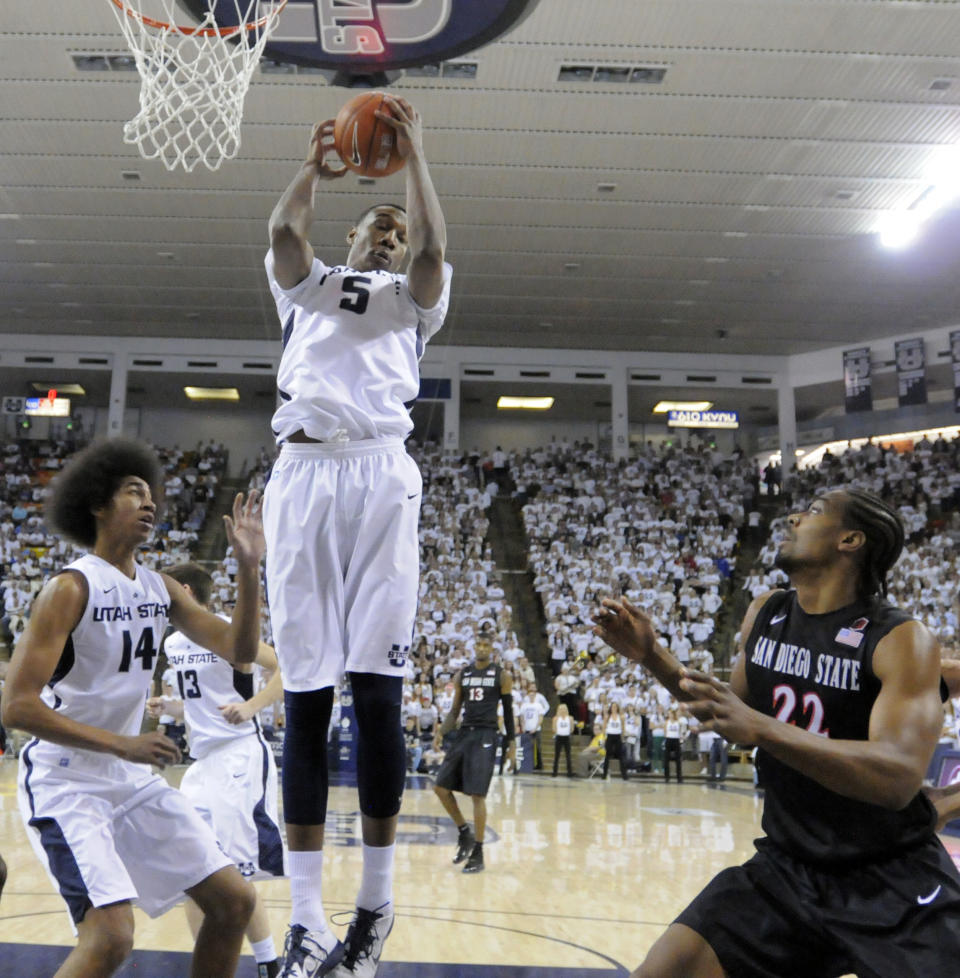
107,664
206,682
564,726
352,343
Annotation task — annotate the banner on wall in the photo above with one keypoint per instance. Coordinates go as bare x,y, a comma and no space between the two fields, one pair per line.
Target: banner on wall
856,380
911,372
955,357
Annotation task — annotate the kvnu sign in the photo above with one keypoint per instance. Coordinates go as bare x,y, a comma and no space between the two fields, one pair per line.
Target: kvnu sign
703,419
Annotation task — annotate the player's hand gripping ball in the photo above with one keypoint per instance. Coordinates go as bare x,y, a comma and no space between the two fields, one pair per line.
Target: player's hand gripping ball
366,144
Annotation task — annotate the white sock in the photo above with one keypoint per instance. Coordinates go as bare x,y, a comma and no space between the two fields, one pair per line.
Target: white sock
376,882
264,950
306,892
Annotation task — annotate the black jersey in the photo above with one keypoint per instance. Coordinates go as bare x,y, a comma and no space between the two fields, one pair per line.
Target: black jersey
479,693
816,671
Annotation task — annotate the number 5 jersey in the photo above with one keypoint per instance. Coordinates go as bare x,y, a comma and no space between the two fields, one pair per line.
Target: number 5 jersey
352,343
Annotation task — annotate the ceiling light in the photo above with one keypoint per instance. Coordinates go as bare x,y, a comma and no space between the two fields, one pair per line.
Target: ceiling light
716,260
525,403
662,407
212,393
899,228
74,389
571,266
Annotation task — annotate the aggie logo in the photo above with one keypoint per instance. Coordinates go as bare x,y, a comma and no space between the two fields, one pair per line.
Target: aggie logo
377,35
398,655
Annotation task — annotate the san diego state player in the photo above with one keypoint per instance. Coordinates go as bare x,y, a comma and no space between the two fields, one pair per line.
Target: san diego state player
841,692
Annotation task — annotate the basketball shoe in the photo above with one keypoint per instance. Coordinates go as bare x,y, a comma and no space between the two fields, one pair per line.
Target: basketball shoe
475,862
465,843
305,957
364,942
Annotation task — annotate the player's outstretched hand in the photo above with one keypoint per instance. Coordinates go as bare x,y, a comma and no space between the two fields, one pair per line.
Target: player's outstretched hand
950,670
236,712
718,708
322,151
405,119
625,628
946,801
150,748
245,528
155,706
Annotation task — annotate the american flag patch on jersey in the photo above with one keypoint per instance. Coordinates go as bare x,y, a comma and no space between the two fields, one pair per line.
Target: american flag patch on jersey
853,635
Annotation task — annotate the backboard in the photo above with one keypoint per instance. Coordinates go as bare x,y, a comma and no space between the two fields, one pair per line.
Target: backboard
366,36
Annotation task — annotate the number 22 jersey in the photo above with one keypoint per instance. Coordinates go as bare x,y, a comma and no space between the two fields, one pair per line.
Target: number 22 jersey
816,672
105,669
352,343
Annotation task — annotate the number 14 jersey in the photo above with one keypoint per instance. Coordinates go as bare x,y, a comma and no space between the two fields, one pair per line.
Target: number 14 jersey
104,672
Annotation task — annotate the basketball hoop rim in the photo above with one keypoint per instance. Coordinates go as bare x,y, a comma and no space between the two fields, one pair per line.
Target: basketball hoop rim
162,25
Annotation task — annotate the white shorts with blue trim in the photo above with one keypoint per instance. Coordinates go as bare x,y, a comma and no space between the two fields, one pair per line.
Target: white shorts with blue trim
234,788
107,830
343,559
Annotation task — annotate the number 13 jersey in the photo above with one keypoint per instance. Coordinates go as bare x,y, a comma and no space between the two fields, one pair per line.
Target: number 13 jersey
105,670
352,343
816,672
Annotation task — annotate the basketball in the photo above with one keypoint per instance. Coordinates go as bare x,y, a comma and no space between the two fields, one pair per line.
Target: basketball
365,143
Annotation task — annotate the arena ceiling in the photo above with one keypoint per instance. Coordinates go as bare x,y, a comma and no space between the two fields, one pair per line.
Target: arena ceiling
729,207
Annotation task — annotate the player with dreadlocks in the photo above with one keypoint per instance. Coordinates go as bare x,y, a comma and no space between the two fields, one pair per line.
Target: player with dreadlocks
841,692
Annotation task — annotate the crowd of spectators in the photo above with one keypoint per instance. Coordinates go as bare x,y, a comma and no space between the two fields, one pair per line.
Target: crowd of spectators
30,553
662,528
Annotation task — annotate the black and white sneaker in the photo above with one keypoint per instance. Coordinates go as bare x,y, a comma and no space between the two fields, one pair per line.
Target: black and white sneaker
268,969
465,844
364,942
305,957
475,862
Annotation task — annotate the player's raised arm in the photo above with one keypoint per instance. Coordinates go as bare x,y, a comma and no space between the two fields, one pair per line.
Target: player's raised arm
55,614
238,640
292,217
426,228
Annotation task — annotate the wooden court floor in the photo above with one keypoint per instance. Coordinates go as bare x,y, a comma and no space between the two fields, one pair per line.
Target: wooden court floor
581,877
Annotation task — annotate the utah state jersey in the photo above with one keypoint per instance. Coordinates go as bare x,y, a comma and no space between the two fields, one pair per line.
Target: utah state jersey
480,694
105,671
816,671
206,682
352,343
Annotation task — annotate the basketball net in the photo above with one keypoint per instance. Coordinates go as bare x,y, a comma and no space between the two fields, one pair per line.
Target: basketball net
193,80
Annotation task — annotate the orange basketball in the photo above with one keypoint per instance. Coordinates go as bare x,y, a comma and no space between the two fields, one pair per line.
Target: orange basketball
365,143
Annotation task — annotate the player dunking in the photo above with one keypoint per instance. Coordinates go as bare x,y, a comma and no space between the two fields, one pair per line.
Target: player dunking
341,514
108,830
233,781
841,693
468,765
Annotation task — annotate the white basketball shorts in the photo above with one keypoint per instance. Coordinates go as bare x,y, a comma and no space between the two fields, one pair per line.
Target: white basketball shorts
113,831
343,559
234,788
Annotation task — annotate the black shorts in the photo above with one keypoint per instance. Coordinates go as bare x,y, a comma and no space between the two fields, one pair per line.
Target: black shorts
778,917
468,766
